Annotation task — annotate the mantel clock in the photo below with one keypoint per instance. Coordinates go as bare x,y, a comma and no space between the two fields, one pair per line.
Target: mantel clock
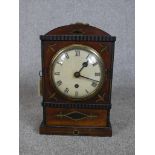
76,80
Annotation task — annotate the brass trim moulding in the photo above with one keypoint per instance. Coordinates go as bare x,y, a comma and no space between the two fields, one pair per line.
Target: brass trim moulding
81,47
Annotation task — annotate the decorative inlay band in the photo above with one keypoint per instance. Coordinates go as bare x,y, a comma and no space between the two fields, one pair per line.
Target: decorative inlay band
78,105
75,115
77,38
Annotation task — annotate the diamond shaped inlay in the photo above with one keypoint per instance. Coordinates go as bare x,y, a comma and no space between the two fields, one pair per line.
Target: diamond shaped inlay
75,115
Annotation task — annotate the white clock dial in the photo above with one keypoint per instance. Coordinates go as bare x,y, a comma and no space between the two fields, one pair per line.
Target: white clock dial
77,72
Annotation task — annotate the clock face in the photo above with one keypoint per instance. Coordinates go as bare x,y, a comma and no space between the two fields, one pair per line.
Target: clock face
77,72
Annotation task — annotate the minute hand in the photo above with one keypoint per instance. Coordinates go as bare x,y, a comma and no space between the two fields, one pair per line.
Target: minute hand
88,78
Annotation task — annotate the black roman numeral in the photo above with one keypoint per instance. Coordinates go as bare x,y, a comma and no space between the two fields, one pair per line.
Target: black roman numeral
87,56
66,90
76,93
97,74
95,63
94,84
57,73
77,52
67,56
87,91
59,83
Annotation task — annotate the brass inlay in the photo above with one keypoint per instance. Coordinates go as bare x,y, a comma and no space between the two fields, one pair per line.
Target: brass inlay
50,47
101,98
79,115
53,96
103,48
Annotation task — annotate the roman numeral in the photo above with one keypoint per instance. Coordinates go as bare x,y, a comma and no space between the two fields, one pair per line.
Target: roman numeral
95,63
57,73
77,52
94,84
97,74
67,56
87,56
66,90
76,93
87,91
59,83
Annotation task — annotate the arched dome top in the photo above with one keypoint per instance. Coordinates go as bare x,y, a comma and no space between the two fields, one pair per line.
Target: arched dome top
77,28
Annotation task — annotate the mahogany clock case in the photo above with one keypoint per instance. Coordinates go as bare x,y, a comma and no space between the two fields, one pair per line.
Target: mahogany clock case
65,116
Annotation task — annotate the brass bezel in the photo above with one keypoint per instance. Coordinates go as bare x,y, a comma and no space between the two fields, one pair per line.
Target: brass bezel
83,47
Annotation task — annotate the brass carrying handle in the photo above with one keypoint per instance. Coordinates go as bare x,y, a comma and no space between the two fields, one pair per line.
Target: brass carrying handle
40,87
40,74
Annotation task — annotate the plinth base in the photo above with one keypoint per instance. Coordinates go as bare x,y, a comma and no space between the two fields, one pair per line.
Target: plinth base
76,131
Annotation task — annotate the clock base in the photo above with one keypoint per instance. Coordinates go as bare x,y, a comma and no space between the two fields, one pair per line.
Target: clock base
76,131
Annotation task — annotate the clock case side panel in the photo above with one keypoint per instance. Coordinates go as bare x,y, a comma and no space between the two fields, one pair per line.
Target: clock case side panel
112,64
110,88
43,82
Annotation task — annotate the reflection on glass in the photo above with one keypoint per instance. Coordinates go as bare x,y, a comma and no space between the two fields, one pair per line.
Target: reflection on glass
91,59
63,57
